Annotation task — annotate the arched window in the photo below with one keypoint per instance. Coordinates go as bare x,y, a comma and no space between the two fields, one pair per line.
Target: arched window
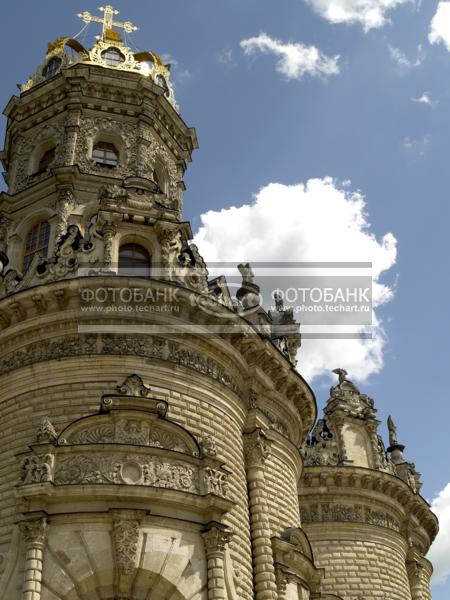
46,160
113,57
106,155
51,68
134,260
36,242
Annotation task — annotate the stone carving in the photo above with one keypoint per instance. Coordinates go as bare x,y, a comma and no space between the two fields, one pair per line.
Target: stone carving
162,439
4,230
24,148
91,129
137,432
343,513
215,482
321,447
65,259
342,374
257,448
208,446
64,207
133,386
95,434
193,273
126,540
112,192
393,439
248,278
10,282
46,432
171,244
147,346
33,532
37,468
216,540
126,470
132,431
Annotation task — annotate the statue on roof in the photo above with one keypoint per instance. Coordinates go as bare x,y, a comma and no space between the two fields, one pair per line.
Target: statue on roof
342,374
393,439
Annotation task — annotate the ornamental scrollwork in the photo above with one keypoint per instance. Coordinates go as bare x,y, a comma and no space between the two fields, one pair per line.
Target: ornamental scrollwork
126,540
91,129
125,470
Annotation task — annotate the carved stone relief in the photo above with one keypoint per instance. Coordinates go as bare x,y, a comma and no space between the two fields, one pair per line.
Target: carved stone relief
125,469
146,346
126,540
92,128
342,513
37,468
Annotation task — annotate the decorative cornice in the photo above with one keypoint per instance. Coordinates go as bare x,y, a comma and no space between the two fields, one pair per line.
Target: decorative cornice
360,484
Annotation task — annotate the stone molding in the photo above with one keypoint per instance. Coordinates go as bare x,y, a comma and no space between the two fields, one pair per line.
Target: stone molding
366,486
145,346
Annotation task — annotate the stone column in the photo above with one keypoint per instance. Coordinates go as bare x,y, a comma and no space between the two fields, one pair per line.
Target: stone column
216,538
33,533
109,231
257,449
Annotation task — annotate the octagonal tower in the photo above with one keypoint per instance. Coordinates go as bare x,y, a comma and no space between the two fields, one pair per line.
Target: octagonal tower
149,422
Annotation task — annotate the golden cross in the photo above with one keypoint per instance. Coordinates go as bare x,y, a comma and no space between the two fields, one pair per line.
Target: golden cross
107,20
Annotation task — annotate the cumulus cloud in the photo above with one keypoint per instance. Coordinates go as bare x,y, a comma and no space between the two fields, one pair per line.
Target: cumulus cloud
401,60
440,550
295,59
440,26
368,13
320,221
425,98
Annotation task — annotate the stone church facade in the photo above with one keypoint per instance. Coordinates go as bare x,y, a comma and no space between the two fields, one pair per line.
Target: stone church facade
154,429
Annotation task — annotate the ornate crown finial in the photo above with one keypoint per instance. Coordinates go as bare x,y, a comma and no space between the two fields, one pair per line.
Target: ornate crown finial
108,20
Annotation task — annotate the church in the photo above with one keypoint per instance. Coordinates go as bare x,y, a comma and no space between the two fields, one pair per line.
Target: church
157,440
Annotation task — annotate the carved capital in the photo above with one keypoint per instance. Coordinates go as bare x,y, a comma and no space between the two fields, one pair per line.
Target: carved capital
33,532
216,539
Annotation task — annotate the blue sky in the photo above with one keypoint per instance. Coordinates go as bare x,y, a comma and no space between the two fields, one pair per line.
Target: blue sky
378,116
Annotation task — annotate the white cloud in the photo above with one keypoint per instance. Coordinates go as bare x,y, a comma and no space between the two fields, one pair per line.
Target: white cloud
295,59
403,61
368,13
417,146
440,26
440,550
425,98
225,57
319,221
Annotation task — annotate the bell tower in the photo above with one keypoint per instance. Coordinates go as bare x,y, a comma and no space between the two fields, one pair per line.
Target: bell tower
149,422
